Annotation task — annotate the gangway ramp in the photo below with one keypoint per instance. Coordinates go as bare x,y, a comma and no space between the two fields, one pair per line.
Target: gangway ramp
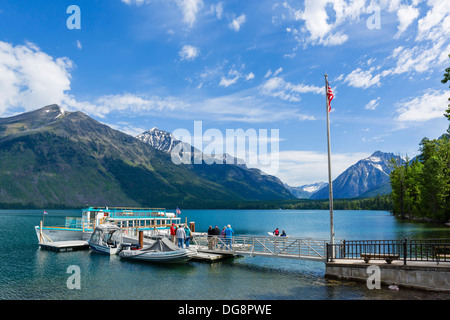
265,246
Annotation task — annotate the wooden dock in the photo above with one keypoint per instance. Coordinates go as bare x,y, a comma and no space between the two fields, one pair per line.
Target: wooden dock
61,246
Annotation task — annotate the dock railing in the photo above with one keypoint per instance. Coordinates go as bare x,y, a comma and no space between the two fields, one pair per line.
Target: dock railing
281,247
432,250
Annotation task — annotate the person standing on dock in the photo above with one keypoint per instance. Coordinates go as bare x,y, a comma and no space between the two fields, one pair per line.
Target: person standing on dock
228,236
210,237
172,233
181,235
188,236
216,236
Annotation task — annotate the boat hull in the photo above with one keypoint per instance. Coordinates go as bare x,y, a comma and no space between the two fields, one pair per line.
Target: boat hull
61,234
104,249
179,256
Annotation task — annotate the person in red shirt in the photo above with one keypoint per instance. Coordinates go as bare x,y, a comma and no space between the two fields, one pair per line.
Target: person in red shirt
173,233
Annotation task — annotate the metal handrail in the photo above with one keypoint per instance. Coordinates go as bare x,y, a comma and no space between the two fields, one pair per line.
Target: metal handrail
434,250
282,247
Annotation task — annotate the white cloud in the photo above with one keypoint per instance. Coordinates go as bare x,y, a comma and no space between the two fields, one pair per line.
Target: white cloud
363,79
279,88
217,9
225,82
298,168
406,15
278,71
250,76
237,22
190,8
318,24
435,24
135,2
188,52
419,58
430,105
30,78
372,104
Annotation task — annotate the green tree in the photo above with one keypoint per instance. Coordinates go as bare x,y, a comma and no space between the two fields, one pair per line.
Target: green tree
444,81
398,185
435,182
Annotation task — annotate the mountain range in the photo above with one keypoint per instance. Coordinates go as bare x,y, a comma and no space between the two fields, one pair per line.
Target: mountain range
366,178
51,157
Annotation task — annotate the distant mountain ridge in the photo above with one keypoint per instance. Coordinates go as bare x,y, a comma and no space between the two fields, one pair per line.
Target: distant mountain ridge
230,172
53,157
368,177
306,191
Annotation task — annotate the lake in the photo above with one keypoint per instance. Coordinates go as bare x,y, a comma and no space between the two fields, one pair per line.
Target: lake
28,273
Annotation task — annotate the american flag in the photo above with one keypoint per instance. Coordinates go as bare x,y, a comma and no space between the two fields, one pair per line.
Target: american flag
178,211
330,97
45,212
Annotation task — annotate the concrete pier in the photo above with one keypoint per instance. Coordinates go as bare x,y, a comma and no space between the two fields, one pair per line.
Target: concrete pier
417,275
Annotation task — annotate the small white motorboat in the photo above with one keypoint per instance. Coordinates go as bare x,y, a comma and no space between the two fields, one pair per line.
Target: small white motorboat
162,251
106,239
279,236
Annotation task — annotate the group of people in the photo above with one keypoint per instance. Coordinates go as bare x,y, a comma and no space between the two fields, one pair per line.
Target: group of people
276,232
180,235
214,234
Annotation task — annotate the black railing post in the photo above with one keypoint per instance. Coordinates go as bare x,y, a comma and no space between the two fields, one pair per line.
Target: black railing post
405,251
328,258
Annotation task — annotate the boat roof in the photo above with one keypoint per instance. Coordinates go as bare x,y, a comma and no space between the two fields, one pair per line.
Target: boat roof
124,208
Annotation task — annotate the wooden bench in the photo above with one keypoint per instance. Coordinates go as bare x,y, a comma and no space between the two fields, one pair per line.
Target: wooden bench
389,257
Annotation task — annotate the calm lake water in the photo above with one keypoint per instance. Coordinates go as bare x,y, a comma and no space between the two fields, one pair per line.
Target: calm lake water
26,272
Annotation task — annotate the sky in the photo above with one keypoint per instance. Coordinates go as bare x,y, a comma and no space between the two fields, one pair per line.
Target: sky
228,65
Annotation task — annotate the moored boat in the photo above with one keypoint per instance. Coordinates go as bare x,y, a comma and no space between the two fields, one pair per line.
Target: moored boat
106,239
162,251
153,221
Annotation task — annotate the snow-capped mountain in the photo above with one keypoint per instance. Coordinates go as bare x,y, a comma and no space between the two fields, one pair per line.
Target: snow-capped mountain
159,139
166,141
366,175
229,172
307,190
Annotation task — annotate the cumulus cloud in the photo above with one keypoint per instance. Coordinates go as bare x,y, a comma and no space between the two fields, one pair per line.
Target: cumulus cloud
318,25
30,78
406,15
188,52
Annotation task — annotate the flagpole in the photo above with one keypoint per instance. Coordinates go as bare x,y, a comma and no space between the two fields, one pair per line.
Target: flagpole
330,184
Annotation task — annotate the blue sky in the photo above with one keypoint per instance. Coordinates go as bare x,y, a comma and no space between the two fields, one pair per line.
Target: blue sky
138,64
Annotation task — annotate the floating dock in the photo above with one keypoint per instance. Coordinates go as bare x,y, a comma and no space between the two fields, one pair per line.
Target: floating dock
211,257
61,246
